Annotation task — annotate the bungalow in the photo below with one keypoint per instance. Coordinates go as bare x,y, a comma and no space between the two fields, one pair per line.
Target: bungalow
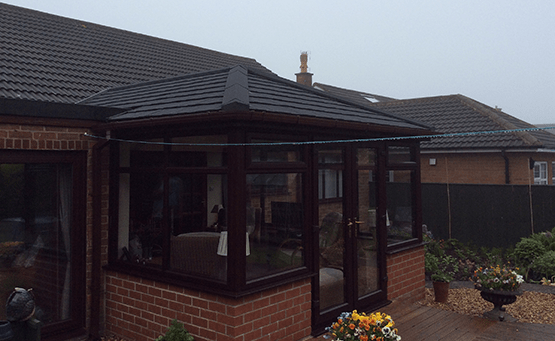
523,156
144,180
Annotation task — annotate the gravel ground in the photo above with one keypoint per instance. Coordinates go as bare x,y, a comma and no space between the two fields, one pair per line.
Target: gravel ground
535,305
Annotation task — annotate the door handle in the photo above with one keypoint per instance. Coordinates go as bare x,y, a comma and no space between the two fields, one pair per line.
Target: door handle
350,224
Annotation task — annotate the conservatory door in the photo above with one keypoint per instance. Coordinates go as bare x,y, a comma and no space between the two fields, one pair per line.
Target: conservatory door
349,258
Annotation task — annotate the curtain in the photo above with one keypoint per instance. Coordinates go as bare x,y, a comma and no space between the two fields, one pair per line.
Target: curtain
64,217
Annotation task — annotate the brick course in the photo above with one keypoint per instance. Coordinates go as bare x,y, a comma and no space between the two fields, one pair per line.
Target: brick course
281,313
405,272
34,137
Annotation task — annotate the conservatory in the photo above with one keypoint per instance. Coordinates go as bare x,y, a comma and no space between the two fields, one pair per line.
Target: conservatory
244,204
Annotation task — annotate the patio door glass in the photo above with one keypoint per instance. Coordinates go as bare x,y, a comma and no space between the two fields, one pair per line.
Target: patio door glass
348,252
364,224
332,272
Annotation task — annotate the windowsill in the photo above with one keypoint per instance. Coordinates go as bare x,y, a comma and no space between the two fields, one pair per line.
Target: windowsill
205,284
404,246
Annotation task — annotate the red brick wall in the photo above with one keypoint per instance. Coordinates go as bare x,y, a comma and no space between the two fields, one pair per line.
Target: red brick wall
36,137
141,310
405,273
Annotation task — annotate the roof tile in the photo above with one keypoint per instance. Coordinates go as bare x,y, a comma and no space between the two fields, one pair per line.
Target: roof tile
69,60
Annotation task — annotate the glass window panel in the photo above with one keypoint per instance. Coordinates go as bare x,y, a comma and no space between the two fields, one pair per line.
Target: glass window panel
331,243
36,213
399,219
141,214
365,234
540,173
330,174
275,153
366,157
276,237
400,155
149,154
196,228
204,151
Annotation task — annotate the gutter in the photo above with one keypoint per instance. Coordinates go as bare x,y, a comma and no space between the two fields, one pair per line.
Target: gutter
466,151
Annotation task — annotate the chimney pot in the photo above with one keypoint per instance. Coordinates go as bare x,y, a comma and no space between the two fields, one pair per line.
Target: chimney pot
304,77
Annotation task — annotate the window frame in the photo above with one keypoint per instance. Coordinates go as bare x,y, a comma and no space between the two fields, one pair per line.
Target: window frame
78,159
237,167
412,165
542,172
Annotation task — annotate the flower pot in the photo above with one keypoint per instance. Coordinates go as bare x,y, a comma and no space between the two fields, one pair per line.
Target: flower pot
499,298
441,291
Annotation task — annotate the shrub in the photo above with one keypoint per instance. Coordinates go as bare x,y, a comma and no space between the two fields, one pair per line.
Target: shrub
176,332
544,265
528,249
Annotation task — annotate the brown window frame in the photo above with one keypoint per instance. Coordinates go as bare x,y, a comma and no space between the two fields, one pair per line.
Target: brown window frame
78,159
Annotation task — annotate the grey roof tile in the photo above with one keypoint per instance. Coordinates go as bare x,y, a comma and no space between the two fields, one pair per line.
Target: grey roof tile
453,114
52,58
239,88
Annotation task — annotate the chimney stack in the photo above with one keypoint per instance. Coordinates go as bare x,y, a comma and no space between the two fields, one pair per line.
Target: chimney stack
304,77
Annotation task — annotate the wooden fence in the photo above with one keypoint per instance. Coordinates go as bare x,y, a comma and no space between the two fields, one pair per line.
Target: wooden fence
488,215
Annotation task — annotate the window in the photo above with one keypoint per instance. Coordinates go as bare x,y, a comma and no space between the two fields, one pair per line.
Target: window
41,222
540,173
330,174
272,151
275,209
401,178
274,226
172,205
400,155
399,222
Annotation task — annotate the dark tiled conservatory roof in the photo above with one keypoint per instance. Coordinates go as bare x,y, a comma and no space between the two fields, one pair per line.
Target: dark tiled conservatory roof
238,89
454,114
51,58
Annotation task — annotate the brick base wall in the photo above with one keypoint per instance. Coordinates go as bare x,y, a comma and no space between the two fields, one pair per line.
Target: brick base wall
141,310
405,272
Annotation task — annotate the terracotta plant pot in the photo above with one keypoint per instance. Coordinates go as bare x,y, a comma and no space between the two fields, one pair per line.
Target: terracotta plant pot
441,291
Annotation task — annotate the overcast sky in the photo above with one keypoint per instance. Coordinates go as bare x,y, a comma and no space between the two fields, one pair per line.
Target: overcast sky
498,52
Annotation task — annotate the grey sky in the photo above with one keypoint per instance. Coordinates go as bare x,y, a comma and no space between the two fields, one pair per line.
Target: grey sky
499,52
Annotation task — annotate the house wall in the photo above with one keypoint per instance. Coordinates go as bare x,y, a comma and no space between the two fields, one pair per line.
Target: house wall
54,135
141,310
481,168
405,273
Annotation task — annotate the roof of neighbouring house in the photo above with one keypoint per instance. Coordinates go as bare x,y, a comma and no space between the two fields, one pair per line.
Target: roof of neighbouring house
51,58
454,114
241,89
363,98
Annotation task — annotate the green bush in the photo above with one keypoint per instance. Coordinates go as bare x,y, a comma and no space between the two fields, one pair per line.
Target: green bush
528,249
176,332
544,265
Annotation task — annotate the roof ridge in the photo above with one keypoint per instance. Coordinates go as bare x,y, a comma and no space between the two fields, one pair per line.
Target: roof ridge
493,114
236,92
